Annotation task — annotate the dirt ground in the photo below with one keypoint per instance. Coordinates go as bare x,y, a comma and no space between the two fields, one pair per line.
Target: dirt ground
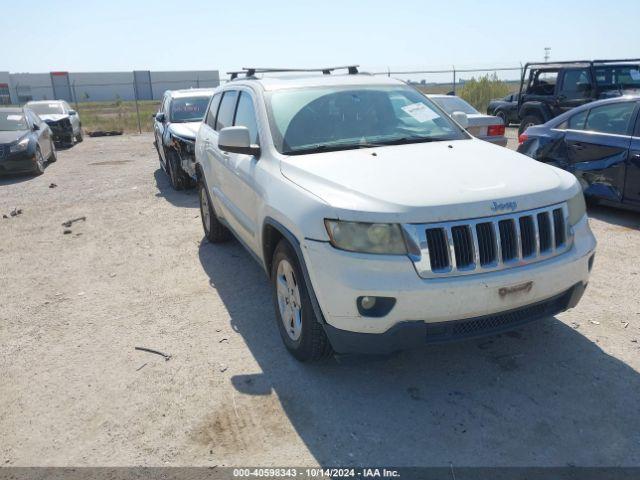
74,391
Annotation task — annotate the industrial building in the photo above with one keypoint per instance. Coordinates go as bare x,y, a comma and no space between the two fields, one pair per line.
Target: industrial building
18,88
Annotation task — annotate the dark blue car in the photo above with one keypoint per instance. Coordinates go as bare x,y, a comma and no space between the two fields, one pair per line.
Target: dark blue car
598,142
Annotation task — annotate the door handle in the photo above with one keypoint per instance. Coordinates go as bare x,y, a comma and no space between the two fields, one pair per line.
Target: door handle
577,146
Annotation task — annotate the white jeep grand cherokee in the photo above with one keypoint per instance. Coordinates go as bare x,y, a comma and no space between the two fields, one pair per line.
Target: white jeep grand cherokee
380,222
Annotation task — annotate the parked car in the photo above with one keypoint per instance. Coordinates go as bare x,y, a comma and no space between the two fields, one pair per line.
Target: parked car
485,127
26,142
505,108
175,126
62,119
550,89
599,143
382,224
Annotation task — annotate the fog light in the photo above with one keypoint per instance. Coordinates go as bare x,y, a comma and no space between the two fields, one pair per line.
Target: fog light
370,306
368,302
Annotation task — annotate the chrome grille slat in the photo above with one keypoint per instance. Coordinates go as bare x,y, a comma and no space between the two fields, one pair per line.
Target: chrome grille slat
488,244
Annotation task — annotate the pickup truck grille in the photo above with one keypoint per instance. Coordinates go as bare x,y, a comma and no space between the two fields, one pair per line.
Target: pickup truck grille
488,244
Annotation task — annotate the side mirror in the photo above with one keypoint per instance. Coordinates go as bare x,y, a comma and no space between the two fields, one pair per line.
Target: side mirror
237,140
159,117
35,127
72,112
461,118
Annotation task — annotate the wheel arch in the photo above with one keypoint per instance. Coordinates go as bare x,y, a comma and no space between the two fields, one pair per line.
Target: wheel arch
272,233
539,109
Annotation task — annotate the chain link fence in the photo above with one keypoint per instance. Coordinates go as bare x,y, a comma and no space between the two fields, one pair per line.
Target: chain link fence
116,106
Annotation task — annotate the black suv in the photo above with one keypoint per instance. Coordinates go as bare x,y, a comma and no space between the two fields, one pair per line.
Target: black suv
549,89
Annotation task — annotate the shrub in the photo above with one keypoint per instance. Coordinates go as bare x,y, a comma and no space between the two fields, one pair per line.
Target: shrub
481,91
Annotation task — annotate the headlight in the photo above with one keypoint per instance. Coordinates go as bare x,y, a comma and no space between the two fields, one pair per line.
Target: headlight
21,146
577,208
366,237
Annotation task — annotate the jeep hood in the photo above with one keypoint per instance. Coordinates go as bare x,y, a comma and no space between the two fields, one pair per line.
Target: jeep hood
185,130
428,182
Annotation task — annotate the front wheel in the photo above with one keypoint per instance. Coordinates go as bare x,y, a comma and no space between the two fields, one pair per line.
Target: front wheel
214,230
53,156
503,116
299,327
529,121
39,166
79,137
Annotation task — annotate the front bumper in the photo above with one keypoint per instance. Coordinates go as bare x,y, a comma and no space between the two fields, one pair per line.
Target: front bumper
428,309
22,162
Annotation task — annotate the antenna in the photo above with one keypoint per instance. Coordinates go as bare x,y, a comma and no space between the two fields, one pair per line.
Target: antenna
547,54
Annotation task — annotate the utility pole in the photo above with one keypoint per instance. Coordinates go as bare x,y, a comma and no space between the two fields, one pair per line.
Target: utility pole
547,53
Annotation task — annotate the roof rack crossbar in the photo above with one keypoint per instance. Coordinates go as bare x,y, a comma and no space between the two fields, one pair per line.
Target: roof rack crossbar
251,71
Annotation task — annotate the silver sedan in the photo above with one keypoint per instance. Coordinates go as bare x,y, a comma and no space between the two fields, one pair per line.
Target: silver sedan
484,127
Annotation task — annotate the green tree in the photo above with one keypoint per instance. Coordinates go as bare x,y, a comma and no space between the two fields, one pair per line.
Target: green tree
479,92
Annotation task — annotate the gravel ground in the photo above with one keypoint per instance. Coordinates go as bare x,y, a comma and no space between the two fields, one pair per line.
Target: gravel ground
563,391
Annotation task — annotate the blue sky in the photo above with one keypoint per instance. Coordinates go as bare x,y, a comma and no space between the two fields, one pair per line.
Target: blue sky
402,34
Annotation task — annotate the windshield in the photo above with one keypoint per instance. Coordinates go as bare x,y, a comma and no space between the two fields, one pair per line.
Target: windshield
320,119
47,108
189,109
618,77
12,122
452,104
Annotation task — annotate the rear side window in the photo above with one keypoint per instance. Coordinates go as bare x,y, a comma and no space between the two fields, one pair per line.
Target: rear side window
227,109
213,110
614,118
576,80
246,116
577,121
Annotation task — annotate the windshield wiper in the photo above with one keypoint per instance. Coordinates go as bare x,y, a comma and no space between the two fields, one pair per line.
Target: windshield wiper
320,148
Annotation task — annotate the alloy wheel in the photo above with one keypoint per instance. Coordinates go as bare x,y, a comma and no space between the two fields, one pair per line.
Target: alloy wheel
289,303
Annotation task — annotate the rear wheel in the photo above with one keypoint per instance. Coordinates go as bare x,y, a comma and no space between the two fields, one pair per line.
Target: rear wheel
79,137
298,325
214,230
39,166
529,121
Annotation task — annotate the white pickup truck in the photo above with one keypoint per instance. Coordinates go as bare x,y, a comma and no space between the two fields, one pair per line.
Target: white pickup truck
380,222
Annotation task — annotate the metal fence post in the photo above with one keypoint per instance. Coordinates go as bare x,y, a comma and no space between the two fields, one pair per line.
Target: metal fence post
135,95
454,79
75,95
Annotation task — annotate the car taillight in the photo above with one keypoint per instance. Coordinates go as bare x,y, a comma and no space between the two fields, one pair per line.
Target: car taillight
522,138
495,130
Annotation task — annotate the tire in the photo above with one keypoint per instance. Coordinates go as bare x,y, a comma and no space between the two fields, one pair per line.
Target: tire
213,228
529,121
79,137
301,332
39,167
176,175
503,116
53,156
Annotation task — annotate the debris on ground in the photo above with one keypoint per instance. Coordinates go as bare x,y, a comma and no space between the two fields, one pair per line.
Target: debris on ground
104,133
52,185
157,352
225,339
223,368
66,231
15,212
4,216
595,322
68,223
141,367
625,324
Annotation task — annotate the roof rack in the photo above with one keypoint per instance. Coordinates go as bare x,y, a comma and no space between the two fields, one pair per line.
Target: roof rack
251,71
